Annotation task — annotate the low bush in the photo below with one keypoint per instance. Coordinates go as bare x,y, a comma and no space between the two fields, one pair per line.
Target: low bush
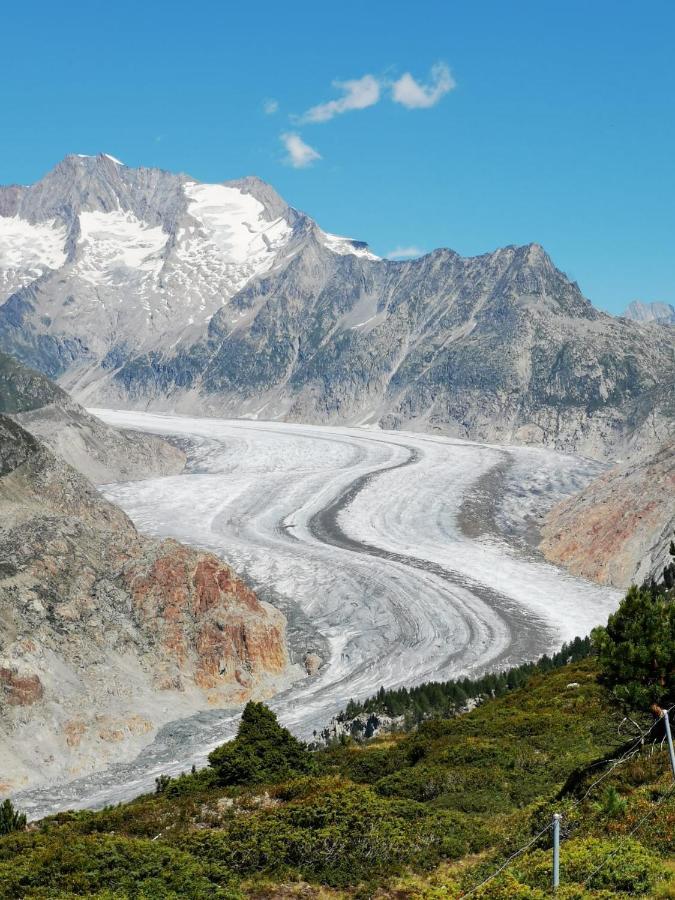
46,865
341,837
622,866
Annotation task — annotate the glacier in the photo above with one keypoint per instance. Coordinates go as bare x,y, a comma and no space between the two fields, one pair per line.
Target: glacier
411,554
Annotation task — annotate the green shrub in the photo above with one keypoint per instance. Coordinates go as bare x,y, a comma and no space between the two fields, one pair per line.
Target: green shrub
470,789
47,865
507,887
161,783
622,866
340,837
366,766
613,805
192,783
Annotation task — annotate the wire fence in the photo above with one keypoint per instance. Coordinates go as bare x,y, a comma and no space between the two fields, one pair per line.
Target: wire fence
508,861
630,753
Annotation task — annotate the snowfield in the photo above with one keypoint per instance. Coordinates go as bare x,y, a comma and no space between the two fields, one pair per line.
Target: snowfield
27,251
410,554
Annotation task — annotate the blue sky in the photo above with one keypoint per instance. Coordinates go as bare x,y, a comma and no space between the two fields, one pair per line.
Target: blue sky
482,123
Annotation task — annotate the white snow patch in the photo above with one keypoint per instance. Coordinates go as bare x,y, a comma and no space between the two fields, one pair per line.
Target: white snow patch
110,241
26,250
234,223
345,246
361,324
114,159
228,242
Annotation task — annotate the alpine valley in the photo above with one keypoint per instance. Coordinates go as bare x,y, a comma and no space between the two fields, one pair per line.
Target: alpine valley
332,471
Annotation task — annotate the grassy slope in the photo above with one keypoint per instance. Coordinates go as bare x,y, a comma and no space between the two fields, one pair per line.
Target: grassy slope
423,815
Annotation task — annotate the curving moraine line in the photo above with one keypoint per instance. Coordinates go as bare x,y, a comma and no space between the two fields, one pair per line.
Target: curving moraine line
530,636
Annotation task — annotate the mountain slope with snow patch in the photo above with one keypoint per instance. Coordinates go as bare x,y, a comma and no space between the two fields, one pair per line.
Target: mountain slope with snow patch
137,287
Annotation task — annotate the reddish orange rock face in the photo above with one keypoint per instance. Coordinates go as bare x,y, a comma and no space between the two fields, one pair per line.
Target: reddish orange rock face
617,529
20,690
208,623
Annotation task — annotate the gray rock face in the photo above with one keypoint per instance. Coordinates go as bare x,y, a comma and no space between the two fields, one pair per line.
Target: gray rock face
650,312
221,299
95,449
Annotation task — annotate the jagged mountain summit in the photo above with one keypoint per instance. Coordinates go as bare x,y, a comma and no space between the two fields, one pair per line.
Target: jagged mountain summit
142,288
144,257
650,312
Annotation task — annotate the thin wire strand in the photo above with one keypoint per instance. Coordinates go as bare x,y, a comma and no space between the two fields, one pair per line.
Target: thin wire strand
628,754
507,861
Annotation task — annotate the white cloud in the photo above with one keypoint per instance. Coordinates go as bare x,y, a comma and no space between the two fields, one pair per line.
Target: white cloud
270,106
414,95
299,154
405,252
359,93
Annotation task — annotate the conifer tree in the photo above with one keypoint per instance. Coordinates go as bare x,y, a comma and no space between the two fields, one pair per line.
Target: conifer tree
262,752
10,818
637,648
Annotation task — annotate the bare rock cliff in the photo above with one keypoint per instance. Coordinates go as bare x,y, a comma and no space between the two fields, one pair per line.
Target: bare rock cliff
618,529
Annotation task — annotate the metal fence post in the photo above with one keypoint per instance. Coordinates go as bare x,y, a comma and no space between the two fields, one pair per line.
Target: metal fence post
556,850
670,741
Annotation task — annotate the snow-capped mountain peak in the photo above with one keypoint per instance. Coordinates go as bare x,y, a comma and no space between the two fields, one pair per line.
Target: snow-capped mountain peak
152,253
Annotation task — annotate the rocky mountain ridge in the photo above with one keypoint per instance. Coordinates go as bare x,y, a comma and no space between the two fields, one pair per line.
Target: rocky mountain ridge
141,288
95,449
106,635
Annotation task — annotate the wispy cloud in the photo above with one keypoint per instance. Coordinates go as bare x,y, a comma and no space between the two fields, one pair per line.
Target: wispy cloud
405,252
298,153
415,95
359,93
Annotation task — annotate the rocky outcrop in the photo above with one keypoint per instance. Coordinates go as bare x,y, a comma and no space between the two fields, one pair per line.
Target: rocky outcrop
618,529
158,292
106,635
20,690
102,453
